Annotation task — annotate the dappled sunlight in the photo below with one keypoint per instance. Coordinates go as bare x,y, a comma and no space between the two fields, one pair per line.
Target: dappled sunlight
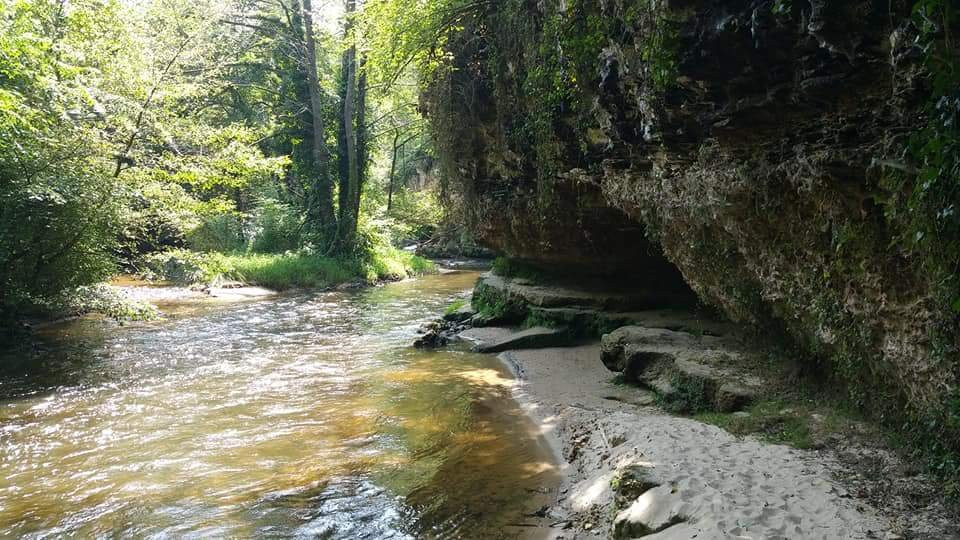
593,493
538,468
489,377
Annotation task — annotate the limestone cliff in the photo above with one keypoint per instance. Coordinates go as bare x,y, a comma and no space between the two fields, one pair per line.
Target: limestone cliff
762,147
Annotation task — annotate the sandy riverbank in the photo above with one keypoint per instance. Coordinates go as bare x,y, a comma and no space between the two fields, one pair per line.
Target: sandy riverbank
688,479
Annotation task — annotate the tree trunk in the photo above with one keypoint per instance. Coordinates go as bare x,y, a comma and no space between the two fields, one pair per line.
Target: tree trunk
343,162
393,170
348,227
362,146
321,199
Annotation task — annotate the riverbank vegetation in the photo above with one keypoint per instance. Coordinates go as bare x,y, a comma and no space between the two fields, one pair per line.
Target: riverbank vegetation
202,140
281,271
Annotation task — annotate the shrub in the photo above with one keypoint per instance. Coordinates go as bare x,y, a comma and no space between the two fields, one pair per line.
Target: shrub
277,227
222,232
187,267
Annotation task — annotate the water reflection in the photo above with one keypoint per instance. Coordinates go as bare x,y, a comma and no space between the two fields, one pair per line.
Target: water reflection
301,415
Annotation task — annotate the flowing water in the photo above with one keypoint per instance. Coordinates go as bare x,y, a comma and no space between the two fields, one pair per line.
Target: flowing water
298,415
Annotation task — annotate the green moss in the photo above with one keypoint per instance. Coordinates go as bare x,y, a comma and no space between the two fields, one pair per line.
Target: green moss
494,306
578,324
620,380
537,318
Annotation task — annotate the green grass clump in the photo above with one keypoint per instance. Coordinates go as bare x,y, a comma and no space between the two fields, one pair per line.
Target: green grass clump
496,306
772,420
184,266
455,305
286,271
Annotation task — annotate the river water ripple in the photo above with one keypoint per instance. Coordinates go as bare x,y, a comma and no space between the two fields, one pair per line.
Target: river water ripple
304,415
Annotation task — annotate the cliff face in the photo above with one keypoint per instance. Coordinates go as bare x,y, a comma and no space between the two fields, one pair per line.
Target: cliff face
758,146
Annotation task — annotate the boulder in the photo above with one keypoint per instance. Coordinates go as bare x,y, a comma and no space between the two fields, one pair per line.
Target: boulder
462,314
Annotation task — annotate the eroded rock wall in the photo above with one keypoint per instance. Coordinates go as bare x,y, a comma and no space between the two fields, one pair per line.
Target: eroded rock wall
757,145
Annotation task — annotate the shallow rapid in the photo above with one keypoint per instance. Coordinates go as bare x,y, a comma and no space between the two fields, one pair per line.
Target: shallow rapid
296,415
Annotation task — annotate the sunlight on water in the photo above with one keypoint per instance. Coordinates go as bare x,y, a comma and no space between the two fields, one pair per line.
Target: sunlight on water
300,415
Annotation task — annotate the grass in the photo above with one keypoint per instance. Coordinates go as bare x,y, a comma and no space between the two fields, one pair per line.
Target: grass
298,270
288,270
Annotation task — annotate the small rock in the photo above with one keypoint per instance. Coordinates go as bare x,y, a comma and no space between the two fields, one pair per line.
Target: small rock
431,340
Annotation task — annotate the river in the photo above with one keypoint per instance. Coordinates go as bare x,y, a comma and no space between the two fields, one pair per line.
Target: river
298,415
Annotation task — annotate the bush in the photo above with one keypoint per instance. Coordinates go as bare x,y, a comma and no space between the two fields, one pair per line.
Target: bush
223,232
186,267
277,227
58,202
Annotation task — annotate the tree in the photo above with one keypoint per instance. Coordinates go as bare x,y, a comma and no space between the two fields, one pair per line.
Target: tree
350,183
322,193
57,200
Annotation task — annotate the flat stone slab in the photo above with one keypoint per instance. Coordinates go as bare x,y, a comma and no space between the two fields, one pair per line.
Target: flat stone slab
557,295
480,335
675,364
494,339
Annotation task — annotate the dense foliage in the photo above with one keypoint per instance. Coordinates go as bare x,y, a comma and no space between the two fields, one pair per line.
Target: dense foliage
129,129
